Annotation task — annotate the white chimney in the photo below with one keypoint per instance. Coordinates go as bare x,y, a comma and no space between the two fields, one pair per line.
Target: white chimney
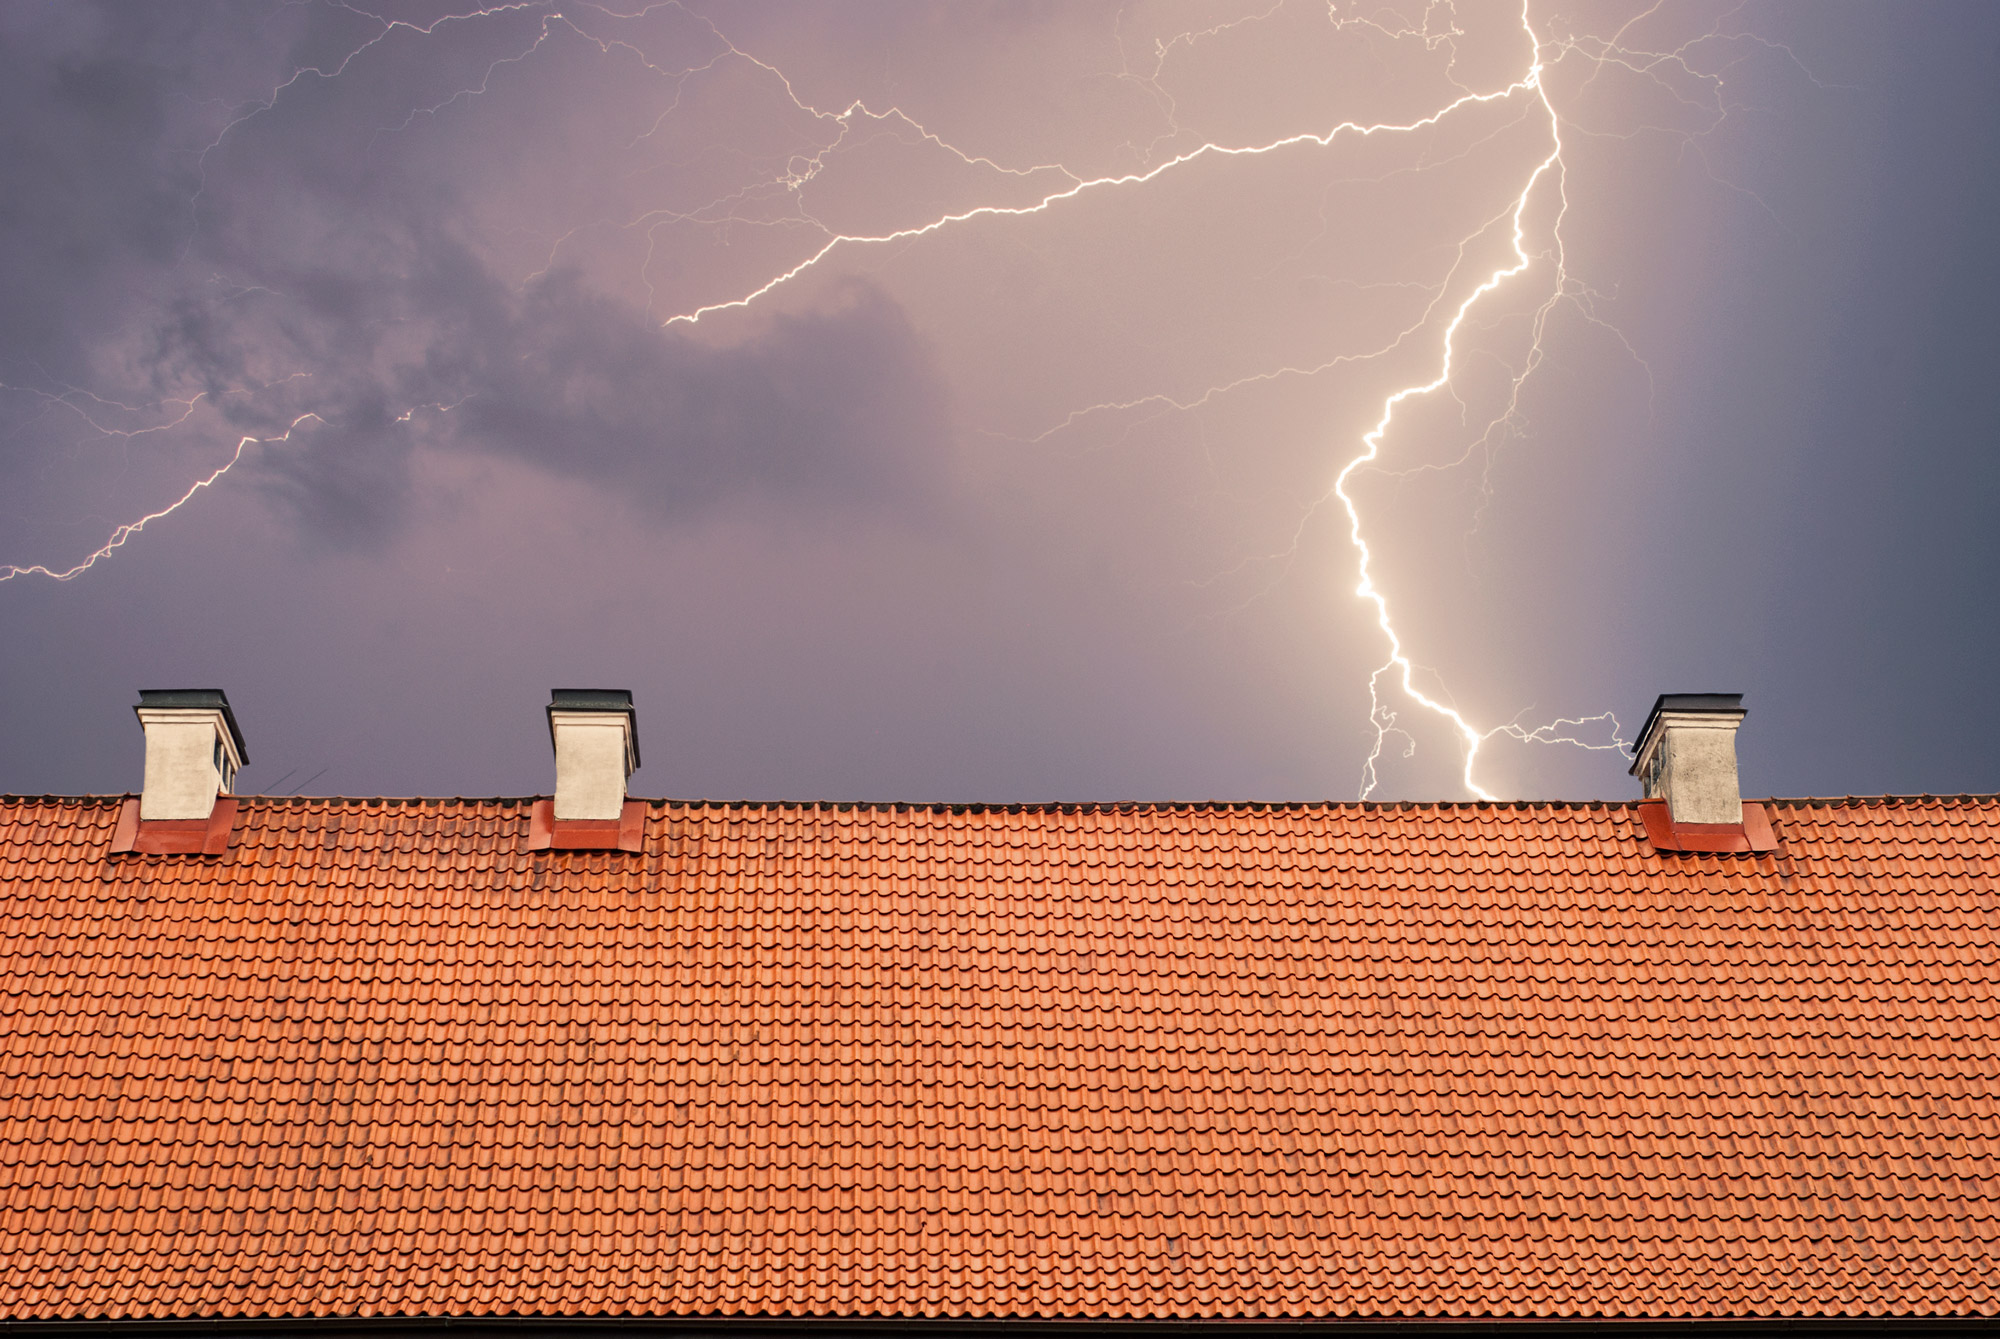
1687,756
193,750
596,737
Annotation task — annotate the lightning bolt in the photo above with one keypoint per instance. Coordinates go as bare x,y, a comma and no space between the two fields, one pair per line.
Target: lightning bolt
1083,187
1398,667
1399,664
8,571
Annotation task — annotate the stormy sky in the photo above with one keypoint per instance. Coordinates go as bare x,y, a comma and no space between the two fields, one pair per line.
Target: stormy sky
945,401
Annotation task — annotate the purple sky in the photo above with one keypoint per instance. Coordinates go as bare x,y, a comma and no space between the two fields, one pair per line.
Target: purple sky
1021,500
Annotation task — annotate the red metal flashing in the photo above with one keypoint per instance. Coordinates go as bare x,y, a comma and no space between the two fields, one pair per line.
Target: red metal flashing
1752,835
127,830
174,836
627,832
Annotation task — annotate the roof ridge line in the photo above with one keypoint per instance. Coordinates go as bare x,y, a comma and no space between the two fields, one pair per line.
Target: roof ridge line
1043,806
971,806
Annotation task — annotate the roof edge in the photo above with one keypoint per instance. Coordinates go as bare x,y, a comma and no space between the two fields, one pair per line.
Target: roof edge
1039,806
469,1325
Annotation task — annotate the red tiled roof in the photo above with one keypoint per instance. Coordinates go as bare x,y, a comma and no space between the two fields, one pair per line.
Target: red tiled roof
1142,1061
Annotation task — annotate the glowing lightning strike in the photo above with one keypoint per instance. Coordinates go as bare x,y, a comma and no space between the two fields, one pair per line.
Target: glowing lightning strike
1080,187
1398,663
1366,589
8,571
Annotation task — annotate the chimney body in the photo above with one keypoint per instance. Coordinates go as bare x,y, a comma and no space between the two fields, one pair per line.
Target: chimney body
193,750
596,737
1686,755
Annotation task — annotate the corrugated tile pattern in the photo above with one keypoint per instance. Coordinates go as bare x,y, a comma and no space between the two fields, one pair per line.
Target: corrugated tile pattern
1146,1061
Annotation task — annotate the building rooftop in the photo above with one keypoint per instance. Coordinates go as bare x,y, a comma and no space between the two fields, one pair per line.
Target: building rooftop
378,1057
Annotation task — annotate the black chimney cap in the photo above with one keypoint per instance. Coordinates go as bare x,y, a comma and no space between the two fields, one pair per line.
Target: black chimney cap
1729,702
590,699
197,699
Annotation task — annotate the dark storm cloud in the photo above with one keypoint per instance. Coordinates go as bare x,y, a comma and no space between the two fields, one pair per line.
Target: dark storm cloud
346,477
835,406
92,203
301,261
838,409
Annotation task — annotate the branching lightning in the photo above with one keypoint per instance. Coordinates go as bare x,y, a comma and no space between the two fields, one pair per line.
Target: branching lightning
8,571
1399,664
1446,303
1084,186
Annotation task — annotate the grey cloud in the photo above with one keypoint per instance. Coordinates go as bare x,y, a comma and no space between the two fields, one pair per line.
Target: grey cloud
839,406
304,263
836,410
91,203
346,479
